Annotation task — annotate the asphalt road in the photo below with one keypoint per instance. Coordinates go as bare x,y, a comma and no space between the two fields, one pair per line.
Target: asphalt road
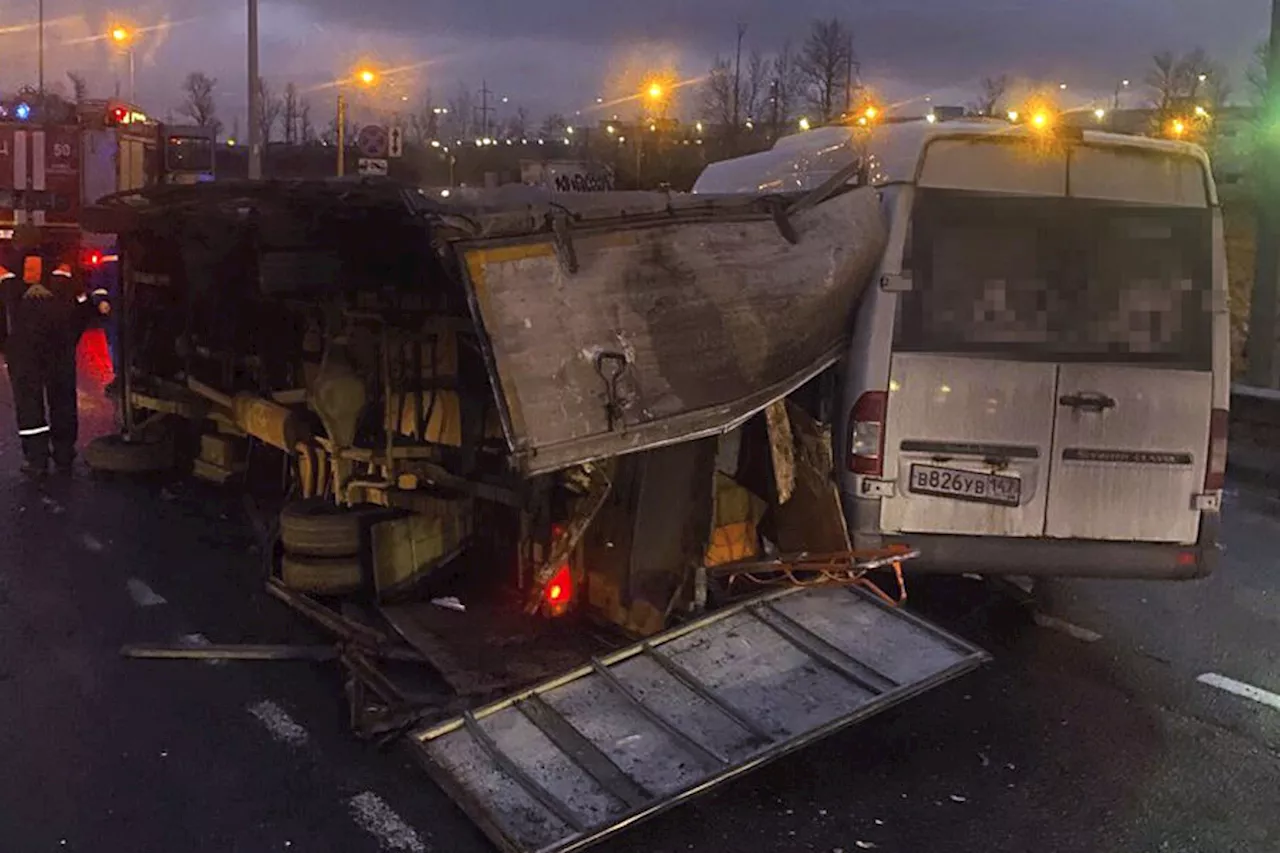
1090,734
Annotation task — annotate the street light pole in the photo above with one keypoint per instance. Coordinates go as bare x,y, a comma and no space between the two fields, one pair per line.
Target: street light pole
342,134
40,49
133,91
255,106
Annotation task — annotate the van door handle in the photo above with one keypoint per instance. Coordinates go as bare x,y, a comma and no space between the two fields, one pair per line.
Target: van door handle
1089,401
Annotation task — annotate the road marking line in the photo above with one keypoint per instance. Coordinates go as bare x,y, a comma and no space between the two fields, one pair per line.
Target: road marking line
278,723
1053,623
143,595
1239,688
378,819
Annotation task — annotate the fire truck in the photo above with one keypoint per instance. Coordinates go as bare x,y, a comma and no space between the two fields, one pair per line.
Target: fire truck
52,166
56,161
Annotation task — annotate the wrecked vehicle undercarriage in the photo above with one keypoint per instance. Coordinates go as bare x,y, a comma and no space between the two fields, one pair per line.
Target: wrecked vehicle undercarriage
615,406
517,377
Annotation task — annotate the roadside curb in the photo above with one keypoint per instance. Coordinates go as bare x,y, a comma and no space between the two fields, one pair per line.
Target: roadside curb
1253,464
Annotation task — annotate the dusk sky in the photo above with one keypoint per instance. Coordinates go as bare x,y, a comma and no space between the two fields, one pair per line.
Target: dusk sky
561,54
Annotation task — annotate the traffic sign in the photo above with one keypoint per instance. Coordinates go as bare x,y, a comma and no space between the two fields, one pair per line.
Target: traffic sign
373,166
372,141
395,142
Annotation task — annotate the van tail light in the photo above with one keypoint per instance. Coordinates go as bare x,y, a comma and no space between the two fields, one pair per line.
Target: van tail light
557,595
866,433
1215,474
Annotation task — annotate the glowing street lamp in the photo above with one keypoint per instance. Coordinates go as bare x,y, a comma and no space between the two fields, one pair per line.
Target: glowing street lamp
1040,120
655,92
124,38
365,77
1013,115
805,124
1201,112
1099,113
1178,127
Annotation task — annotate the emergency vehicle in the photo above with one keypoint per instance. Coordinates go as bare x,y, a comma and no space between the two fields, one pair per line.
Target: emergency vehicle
52,166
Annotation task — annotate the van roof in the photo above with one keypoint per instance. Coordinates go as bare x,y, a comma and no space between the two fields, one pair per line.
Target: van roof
894,153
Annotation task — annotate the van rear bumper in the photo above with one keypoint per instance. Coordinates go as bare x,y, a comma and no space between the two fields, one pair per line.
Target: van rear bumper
1083,558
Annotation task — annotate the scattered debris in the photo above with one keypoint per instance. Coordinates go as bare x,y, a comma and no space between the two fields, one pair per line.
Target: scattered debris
92,543
194,649
956,798
450,603
986,762
864,845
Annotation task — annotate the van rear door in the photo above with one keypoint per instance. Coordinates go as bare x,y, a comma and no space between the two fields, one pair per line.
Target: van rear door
1131,431
1052,370
969,425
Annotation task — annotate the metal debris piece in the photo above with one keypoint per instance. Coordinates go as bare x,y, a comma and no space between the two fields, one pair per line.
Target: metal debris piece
243,651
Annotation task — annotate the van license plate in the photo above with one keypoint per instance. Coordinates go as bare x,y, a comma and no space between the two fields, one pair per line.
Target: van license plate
966,485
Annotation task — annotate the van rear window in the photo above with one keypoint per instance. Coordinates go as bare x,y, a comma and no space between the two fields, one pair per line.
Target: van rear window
1059,279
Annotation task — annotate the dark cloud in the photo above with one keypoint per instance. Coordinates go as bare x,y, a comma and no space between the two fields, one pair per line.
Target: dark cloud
559,54
930,40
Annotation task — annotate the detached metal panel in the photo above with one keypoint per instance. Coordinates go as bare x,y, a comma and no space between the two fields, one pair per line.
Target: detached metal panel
669,329
566,764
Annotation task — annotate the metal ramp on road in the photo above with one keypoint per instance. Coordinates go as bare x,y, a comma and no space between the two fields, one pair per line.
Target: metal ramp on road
563,765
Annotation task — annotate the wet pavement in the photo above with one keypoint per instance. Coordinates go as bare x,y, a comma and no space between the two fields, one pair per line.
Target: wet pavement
1090,731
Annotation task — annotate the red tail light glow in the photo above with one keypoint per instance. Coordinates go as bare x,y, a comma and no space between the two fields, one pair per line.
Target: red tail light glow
866,433
1215,473
557,595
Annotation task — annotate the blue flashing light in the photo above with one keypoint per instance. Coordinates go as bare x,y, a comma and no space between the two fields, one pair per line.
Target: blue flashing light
22,111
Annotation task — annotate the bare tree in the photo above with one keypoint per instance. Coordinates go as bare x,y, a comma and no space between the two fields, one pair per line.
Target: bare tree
826,61
989,99
718,99
1257,74
270,110
306,130
424,122
79,86
553,126
787,89
1178,80
517,127
290,116
755,85
459,121
200,104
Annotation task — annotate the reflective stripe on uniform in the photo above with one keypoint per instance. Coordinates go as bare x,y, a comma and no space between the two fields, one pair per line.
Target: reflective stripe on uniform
63,270
101,291
40,430
81,298
5,275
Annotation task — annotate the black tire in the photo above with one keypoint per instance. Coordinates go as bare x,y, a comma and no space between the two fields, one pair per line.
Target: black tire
321,575
112,454
318,528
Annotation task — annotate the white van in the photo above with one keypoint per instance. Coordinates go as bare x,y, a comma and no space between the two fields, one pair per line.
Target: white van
1039,378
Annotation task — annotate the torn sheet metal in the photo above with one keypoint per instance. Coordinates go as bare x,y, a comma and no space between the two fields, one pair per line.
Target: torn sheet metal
577,759
668,330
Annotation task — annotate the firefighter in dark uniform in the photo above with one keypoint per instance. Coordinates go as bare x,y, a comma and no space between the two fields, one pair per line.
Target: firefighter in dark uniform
46,311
